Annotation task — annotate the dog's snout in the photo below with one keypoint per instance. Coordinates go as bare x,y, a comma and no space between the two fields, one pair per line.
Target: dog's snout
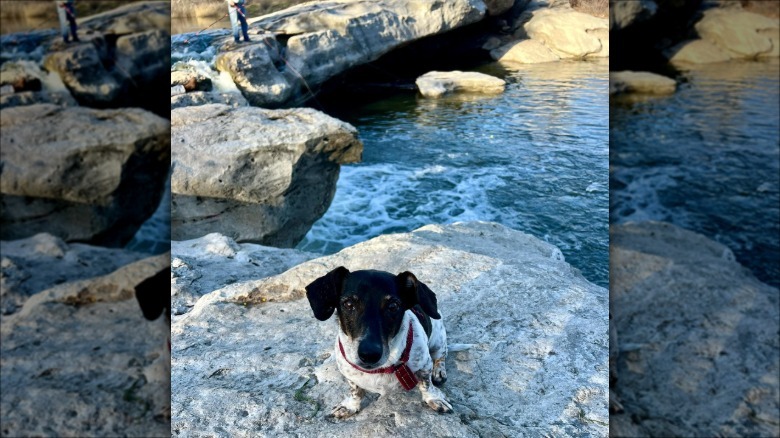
370,352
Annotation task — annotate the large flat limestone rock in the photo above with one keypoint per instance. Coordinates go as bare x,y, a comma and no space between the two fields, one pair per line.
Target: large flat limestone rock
250,358
255,175
699,353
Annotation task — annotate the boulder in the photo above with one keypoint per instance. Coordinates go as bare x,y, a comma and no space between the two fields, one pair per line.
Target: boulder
79,173
21,79
498,7
527,336
84,343
728,33
439,83
566,31
550,32
59,98
737,32
81,68
144,58
190,80
196,98
299,48
122,60
254,70
640,82
699,353
696,52
524,52
623,14
236,263
22,260
255,175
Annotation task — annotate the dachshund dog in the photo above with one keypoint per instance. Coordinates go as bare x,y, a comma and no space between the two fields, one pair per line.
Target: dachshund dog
391,336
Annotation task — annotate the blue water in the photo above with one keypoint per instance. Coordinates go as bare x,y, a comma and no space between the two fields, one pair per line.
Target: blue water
534,159
707,159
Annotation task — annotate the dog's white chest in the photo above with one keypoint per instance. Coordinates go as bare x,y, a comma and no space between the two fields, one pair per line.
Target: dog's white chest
419,358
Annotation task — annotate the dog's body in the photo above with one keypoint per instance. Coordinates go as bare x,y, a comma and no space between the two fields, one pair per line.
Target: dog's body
390,337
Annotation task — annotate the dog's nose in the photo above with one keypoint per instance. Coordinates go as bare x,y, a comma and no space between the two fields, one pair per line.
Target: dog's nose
369,353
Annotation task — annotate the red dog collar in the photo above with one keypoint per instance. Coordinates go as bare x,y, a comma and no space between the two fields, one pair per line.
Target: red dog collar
402,371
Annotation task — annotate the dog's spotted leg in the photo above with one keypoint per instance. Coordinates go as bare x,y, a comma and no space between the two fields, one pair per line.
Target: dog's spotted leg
439,371
432,395
351,404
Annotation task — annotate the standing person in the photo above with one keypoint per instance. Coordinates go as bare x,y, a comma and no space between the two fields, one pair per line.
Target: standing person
66,11
237,12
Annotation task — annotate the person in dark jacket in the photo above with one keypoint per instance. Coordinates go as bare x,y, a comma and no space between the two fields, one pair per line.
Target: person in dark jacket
237,10
66,12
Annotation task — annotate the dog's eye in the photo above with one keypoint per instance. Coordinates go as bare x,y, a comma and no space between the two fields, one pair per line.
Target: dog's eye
349,305
393,307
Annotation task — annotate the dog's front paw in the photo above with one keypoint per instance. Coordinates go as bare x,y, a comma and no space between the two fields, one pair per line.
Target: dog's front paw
440,405
434,398
439,375
347,408
341,412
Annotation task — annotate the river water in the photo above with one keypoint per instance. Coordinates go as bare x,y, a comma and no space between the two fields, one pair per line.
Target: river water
534,158
706,159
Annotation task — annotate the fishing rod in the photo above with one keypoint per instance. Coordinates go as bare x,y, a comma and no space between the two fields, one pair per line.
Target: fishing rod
306,84
34,29
187,41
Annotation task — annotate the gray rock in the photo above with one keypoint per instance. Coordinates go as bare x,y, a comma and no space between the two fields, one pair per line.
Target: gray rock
251,358
640,82
81,68
236,263
177,90
144,58
123,52
498,7
256,175
699,353
438,83
547,32
190,80
86,345
79,173
301,47
15,75
623,14
696,52
36,263
737,32
59,98
196,98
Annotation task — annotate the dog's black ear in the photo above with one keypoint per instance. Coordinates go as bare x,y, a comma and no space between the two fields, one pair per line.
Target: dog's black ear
414,291
323,293
154,294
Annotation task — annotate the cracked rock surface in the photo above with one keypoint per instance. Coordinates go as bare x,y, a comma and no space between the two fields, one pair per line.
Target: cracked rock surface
250,358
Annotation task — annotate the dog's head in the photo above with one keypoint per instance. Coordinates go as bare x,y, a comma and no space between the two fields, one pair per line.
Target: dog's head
370,306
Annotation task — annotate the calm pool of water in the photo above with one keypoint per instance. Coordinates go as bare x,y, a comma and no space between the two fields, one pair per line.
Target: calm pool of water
707,159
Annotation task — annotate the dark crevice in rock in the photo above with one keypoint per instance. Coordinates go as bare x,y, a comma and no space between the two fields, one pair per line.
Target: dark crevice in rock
640,46
396,71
